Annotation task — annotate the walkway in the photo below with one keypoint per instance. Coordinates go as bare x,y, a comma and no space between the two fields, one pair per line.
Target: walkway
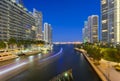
107,68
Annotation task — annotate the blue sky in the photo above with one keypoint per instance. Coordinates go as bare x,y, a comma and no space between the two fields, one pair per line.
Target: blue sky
66,16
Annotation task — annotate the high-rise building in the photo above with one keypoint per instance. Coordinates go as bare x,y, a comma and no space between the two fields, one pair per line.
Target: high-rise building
85,32
50,34
18,1
38,21
46,26
90,30
110,21
15,21
83,35
93,28
47,33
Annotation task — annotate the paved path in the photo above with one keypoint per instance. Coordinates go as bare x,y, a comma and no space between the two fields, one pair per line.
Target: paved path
107,68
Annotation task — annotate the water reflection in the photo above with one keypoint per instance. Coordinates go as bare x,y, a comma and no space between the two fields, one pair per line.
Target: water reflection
39,55
31,58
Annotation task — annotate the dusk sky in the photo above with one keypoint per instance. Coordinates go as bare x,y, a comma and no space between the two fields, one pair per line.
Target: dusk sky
66,16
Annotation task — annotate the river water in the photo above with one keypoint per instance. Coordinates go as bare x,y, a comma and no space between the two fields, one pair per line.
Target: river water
44,70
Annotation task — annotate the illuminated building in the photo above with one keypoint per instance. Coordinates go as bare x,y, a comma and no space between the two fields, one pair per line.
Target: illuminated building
90,30
110,21
15,21
38,22
47,33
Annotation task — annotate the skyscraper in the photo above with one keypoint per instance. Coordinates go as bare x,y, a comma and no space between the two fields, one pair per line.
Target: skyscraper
50,34
18,1
15,22
47,33
83,35
93,28
90,30
85,32
38,20
110,21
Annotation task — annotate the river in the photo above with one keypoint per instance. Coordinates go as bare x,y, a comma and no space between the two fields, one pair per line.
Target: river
44,70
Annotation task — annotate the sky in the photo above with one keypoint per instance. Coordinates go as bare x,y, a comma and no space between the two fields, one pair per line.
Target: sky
66,16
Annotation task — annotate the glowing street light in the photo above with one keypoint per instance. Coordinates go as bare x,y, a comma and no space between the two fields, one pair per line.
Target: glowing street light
66,74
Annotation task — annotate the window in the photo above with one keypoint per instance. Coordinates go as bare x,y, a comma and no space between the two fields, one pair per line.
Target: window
104,1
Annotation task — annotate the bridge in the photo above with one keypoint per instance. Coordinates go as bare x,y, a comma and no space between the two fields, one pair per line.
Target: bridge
67,42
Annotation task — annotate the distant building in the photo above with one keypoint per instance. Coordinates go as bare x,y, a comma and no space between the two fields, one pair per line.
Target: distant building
93,28
50,34
83,35
47,33
90,30
110,21
85,32
38,22
15,21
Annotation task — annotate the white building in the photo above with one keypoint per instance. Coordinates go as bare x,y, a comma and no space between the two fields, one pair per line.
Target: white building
93,28
110,10
38,22
47,33
15,21
90,30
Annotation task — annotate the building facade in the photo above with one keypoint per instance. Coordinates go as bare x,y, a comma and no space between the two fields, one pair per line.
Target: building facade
38,22
110,10
90,30
94,25
83,35
47,33
15,21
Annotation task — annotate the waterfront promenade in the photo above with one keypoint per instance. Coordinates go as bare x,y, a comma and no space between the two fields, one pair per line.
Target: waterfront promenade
15,53
105,70
108,70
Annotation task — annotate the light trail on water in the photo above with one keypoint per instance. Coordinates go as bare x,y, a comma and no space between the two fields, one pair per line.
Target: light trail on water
8,69
61,50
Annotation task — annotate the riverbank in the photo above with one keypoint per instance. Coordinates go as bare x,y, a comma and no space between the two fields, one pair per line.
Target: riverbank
7,56
22,65
100,74
4,56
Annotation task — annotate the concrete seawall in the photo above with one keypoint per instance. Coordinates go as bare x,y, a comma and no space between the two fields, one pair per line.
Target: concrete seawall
99,73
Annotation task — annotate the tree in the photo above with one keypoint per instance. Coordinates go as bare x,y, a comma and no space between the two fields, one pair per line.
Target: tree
2,45
110,54
12,42
117,56
94,51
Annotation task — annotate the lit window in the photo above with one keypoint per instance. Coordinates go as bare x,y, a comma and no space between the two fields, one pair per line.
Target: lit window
104,21
104,30
104,1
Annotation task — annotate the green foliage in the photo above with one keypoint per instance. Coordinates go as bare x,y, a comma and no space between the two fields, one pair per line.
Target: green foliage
12,41
2,45
102,50
93,50
109,54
